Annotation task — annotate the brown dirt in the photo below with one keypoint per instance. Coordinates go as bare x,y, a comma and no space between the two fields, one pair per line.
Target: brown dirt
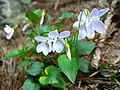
11,78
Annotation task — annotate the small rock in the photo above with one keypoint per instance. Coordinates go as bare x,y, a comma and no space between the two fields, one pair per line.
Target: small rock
26,1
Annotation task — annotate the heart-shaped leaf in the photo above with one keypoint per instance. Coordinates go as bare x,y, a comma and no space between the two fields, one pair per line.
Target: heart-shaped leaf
30,85
24,63
68,67
53,77
84,65
34,16
35,68
85,47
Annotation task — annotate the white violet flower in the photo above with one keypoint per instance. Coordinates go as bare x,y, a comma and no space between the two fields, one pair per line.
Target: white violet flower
89,23
9,32
54,42
58,40
45,45
42,18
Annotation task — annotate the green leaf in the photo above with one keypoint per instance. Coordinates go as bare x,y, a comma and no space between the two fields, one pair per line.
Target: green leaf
102,67
85,47
14,53
44,80
58,26
44,29
61,84
38,12
117,88
74,52
84,65
52,71
24,63
34,16
29,85
31,33
30,44
65,15
31,50
35,68
53,77
19,52
68,67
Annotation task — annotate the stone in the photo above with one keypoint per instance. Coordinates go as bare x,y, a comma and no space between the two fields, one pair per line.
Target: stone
26,1
12,11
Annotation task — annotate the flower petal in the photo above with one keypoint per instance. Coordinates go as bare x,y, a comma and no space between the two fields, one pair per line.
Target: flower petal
83,15
53,34
90,31
94,12
46,50
39,48
58,46
50,46
25,27
8,29
99,26
40,38
9,36
103,11
43,47
64,34
68,52
82,34
76,25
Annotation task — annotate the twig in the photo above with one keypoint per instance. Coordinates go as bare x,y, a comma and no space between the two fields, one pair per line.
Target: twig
94,74
117,82
56,5
79,84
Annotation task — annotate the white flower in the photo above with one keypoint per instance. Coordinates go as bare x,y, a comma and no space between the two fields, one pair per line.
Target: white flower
54,42
58,40
9,32
45,45
90,23
82,17
25,27
68,52
42,18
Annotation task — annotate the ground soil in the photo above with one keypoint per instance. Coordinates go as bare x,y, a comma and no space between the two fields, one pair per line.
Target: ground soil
11,78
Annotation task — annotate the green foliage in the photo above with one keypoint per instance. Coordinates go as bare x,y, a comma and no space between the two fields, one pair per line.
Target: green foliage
34,16
65,15
30,44
68,67
35,68
14,53
117,88
102,67
29,51
30,33
30,85
85,47
84,65
53,71
19,52
53,76
58,26
113,76
44,29
24,63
